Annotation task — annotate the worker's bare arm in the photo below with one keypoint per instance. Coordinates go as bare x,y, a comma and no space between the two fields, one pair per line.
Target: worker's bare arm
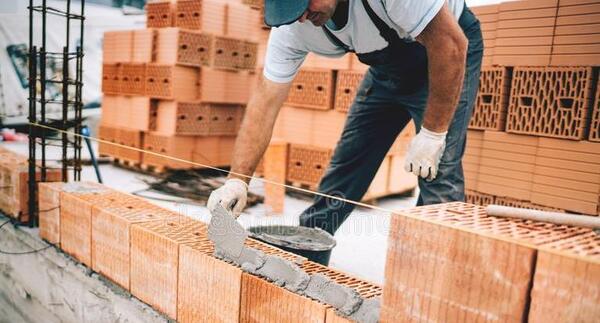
446,52
257,127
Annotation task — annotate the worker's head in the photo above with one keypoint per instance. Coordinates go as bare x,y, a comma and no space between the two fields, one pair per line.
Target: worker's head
283,12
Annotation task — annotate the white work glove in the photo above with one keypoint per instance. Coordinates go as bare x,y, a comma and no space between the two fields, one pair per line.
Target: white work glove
232,196
424,154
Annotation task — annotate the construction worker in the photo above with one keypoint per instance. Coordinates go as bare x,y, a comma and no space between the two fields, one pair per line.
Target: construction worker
425,59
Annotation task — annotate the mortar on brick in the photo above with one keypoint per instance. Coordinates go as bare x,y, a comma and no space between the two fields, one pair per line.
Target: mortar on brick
345,299
284,273
368,312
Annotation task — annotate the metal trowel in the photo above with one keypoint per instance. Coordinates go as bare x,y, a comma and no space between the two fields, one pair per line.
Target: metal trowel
226,233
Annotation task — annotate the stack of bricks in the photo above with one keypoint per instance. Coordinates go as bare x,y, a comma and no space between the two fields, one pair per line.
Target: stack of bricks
167,261
179,87
453,262
14,184
311,123
537,105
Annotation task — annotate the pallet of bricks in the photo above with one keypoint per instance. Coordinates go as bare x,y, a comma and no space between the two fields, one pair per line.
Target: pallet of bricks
534,138
454,263
14,184
167,261
310,124
178,87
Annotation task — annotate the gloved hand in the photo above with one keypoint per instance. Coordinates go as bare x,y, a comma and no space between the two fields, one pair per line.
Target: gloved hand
232,196
424,154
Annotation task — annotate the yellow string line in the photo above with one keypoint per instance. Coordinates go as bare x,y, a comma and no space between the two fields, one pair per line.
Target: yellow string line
264,180
377,208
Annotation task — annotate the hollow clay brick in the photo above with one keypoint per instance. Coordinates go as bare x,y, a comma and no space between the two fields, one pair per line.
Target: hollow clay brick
458,284
106,134
196,118
155,259
242,20
312,89
170,82
159,14
117,47
307,164
171,146
550,101
133,79
275,170
144,42
595,123
204,15
213,150
111,78
76,220
566,279
347,83
128,138
492,99
477,198
49,211
111,236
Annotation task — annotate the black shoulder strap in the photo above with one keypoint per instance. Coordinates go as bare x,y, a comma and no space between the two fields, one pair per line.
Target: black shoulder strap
389,34
336,40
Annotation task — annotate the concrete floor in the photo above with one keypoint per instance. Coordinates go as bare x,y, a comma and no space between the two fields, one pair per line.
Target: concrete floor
361,241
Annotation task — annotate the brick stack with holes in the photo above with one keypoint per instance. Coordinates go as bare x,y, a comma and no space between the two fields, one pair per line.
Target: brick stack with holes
534,138
310,124
167,261
454,263
14,184
179,87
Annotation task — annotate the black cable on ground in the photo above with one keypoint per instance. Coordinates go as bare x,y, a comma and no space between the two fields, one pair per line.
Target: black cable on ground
21,252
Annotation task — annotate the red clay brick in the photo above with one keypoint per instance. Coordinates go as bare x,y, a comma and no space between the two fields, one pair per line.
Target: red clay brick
347,83
111,236
170,82
133,79
550,101
117,47
49,211
111,78
307,164
492,99
155,259
313,89
275,170
159,14
595,123
457,284
196,118
144,42
172,146
204,15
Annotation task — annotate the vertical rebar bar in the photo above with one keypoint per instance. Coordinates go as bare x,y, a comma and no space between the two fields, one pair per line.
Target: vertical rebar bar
32,203
43,58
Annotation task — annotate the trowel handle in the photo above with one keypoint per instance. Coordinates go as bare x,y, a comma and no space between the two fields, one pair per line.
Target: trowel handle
544,216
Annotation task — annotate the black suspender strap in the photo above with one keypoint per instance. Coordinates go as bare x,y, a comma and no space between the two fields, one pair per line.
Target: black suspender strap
389,34
336,40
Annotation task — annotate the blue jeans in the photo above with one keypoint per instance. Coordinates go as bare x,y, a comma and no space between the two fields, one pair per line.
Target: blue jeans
380,111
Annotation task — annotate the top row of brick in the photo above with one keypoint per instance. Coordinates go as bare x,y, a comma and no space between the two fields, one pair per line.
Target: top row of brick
227,18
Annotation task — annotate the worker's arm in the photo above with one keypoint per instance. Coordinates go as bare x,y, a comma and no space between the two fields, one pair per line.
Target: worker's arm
252,141
257,126
446,47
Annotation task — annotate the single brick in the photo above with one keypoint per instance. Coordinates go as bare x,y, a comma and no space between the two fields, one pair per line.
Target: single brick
347,83
313,89
159,14
492,99
155,259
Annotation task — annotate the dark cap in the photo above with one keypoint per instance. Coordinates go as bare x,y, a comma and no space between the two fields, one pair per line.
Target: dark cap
284,12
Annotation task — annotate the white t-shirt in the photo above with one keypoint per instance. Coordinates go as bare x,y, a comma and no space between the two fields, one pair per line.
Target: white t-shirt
288,45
